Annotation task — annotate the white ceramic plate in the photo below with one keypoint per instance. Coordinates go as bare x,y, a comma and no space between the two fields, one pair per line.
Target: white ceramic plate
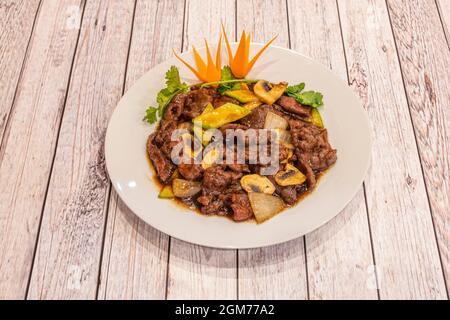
343,115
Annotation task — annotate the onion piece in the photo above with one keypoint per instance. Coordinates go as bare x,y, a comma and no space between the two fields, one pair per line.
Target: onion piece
264,206
184,189
274,121
284,137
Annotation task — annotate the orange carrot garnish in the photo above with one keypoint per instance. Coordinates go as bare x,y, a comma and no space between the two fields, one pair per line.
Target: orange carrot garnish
239,63
205,72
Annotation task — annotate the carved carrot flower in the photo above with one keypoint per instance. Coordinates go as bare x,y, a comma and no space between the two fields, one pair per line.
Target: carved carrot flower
239,63
205,72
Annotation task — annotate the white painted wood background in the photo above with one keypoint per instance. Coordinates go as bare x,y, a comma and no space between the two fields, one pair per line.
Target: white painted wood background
65,234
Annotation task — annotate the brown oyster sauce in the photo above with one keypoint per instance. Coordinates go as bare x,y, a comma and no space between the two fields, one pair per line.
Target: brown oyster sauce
189,203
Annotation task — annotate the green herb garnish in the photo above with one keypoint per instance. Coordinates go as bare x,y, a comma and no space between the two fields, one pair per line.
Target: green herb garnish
227,75
307,98
151,115
173,87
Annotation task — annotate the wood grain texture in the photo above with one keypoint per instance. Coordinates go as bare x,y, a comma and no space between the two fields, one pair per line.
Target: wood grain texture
197,272
16,24
135,254
444,12
27,153
339,255
67,259
425,61
275,272
407,261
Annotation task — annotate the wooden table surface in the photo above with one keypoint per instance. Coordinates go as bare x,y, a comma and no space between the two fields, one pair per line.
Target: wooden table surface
65,234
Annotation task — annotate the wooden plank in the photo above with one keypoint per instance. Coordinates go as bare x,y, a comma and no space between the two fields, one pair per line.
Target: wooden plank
67,260
339,255
275,272
197,272
29,142
16,24
425,61
444,11
407,262
135,254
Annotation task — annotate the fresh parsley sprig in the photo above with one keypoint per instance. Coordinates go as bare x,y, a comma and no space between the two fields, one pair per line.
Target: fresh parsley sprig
173,87
307,98
227,75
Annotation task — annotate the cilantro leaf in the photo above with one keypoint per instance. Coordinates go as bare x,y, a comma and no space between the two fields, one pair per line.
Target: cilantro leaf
173,81
308,98
311,98
173,87
228,75
150,115
163,98
295,89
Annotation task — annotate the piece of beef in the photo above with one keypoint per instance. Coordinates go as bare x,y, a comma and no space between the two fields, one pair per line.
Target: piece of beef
287,193
235,187
283,152
221,100
257,118
205,199
236,167
237,201
312,145
169,123
190,171
306,169
211,204
291,105
216,180
196,101
163,166
232,126
234,164
240,205
175,107
164,132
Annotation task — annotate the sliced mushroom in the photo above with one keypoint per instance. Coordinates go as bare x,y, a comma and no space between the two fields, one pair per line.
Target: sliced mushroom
289,156
257,183
290,176
269,93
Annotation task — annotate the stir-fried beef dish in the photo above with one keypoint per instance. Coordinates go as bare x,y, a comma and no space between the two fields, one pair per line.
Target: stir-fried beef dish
219,180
